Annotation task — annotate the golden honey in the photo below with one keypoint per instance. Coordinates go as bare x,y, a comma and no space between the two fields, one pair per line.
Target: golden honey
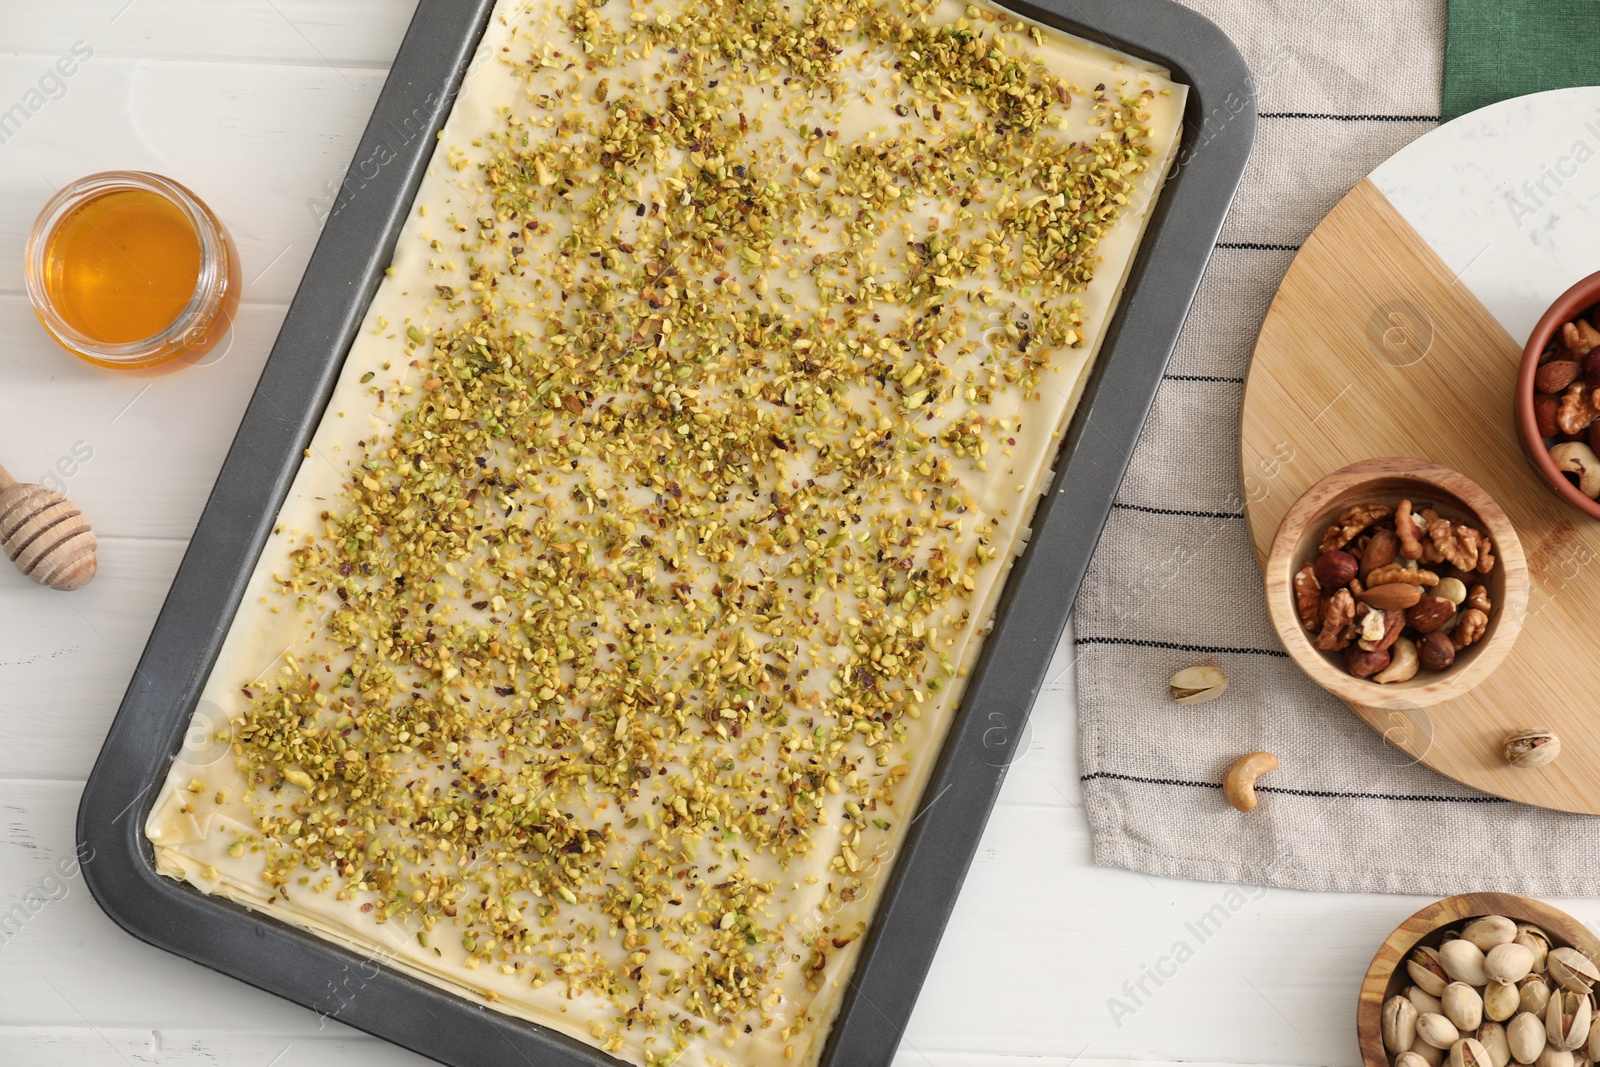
123,266
132,270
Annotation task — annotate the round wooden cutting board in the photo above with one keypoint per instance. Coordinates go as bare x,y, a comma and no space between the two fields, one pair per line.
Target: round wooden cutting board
1397,332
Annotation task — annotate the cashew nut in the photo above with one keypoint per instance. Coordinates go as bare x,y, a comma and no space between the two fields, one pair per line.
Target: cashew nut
1403,666
1239,784
1575,457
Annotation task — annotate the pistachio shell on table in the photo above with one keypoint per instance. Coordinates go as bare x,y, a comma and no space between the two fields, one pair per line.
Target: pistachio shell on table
1492,1036
1425,969
1436,1030
1469,1052
1535,994
1200,684
1525,1037
1463,1006
1489,931
1463,962
1399,1024
1500,1001
1566,1019
1509,962
1569,969
1537,940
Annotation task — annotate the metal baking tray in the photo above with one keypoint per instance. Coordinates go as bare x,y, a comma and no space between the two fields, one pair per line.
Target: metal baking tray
287,405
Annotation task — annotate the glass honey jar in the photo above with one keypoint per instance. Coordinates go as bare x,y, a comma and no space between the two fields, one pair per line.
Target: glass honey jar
129,269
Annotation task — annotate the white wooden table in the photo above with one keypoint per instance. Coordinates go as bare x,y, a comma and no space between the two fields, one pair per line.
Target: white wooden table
257,105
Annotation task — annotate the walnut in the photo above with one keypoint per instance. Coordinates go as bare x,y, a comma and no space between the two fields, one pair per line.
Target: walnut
1469,629
1405,528
1399,572
1579,338
1352,521
1486,556
1455,543
1337,615
1576,410
1308,597
1478,597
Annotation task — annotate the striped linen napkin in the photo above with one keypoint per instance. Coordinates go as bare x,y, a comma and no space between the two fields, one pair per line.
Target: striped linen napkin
1340,87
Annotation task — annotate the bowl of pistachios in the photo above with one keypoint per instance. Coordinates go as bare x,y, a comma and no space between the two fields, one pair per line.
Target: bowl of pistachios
1482,980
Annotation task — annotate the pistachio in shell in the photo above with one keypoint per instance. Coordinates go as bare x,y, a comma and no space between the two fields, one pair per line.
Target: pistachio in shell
1536,941
1571,969
1436,1030
1469,1052
1567,1019
1534,992
1525,1037
1399,1024
1425,969
1532,748
1462,1006
1492,1036
1509,962
1423,1000
1411,1059
1555,1057
1500,1002
1463,962
1489,930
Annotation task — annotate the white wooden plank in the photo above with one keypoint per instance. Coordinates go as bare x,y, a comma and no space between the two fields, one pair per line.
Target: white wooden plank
312,32
153,443
66,658
265,146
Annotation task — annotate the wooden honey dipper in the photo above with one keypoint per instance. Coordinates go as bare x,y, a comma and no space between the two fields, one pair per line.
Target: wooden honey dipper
45,534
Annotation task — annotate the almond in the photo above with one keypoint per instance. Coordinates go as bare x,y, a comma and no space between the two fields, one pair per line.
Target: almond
1380,551
1430,613
1555,375
1395,596
1544,414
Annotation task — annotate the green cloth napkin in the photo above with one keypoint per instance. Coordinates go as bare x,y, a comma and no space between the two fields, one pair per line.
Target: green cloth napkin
1496,49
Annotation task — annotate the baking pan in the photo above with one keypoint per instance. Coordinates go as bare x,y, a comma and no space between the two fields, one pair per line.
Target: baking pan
287,405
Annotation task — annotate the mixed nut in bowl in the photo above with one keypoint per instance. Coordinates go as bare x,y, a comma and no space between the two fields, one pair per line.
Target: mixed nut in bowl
1558,396
1482,980
1396,580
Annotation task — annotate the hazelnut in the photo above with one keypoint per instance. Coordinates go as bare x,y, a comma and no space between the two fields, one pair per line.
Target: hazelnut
1335,568
1364,664
1435,651
1430,613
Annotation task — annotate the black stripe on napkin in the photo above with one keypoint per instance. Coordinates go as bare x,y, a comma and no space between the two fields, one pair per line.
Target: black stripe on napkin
1254,246
1208,649
1200,378
1185,514
1346,118
1314,793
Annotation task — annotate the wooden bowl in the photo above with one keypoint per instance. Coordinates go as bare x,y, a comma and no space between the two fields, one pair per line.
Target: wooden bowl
1387,976
1576,300
1388,481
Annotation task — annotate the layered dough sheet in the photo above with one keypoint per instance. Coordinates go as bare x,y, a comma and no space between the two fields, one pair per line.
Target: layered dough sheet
618,611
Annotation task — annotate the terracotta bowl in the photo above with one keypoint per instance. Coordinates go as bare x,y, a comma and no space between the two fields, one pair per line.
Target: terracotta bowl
1387,976
1582,296
1388,481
